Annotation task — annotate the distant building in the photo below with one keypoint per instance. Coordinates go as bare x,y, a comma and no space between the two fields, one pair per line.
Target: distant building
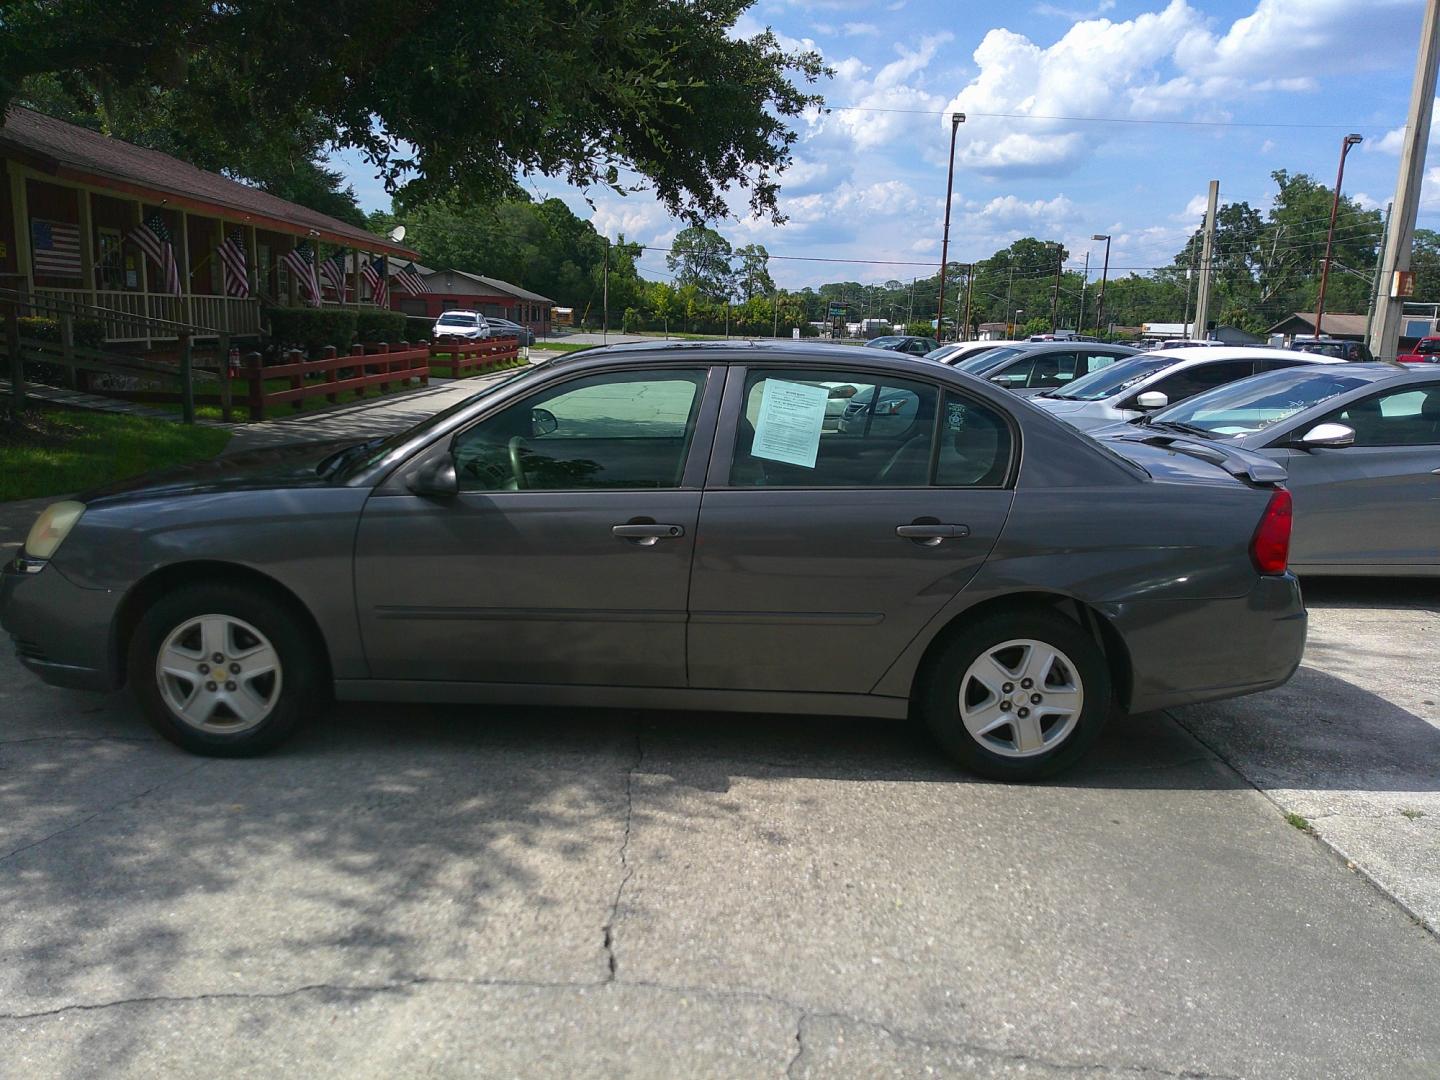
1337,325
992,331
447,290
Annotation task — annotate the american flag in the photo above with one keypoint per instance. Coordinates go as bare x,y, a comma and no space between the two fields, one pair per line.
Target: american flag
301,262
153,238
55,248
231,253
333,271
409,280
373,273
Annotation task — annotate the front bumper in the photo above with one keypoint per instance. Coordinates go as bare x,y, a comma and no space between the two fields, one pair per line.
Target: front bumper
61,632
1187,651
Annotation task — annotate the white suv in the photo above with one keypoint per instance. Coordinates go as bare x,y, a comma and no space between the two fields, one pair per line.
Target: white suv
470,325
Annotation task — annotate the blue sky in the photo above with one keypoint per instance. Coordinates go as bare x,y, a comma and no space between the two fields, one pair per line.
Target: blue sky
1244,87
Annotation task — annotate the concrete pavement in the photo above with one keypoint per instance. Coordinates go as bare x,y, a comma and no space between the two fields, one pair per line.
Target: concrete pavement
547,892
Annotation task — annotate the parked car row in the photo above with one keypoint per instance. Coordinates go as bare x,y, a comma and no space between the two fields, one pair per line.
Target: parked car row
473,326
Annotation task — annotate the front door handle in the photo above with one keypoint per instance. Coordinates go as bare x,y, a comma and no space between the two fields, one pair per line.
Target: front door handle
647,535
932,535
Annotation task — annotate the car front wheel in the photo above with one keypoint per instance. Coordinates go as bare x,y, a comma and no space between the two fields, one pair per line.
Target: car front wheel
223,671
1017,697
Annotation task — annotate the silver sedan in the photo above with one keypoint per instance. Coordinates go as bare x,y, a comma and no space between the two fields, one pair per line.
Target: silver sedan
1361,444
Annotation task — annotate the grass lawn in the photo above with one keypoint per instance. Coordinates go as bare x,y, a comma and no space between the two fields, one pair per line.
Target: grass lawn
58,452
559,346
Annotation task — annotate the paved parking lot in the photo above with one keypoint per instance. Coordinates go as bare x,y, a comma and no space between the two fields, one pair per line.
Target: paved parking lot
428,891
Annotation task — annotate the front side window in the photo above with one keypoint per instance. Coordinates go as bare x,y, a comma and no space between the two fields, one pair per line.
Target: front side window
1013,376
1113,380
1188,382
615,430
1053,369
1409,417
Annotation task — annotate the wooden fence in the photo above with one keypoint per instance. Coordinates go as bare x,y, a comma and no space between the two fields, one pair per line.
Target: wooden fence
459,360
333,374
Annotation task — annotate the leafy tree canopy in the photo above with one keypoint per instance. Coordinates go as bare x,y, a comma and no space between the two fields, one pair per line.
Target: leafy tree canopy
446,95
701,257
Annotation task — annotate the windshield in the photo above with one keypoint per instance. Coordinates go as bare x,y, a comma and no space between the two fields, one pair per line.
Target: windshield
457,320
1114,379
377,450
978,365
1245,407
883,342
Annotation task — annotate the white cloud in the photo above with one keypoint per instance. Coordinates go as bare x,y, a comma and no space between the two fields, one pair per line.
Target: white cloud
860,29
1393,141
1298,33
1073,15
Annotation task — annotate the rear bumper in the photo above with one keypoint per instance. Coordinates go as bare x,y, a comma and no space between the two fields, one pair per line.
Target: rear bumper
60,631
1184,652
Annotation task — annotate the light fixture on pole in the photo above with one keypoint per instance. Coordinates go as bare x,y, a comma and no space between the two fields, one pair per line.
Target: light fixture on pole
1345,146
956,119
1104,273
1018,312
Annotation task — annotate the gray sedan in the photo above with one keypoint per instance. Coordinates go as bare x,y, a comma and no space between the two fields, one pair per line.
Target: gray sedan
666,526
1361,445
1039,367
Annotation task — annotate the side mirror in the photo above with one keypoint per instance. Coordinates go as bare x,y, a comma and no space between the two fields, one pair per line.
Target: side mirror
1152,399
845,391
1331,435
436,480
542,422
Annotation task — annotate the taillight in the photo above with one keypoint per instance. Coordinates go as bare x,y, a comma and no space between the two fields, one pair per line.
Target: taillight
1270,546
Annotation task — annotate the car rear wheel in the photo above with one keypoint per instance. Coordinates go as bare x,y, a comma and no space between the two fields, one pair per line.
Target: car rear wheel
1017,696
223,671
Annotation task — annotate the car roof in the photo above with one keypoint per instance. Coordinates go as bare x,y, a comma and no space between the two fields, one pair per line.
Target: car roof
1212,353
458,311
1378,371
1061,346
739,350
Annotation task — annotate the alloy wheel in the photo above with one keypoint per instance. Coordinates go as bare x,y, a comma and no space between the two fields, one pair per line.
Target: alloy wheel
1021,698
218,674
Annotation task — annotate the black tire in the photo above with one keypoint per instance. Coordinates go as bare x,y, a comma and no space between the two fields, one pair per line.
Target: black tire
938,695
301,672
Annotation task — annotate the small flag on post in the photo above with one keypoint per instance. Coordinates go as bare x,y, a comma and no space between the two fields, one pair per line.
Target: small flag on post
55,248
333,271
232,260
409,280
373,273
301,262
152,236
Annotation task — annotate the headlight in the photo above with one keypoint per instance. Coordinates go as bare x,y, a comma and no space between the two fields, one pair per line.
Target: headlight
51,528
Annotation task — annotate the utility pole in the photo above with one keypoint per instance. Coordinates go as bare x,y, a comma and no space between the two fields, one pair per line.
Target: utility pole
1202,292
1189,277
1349,142
911,317
1104,273
605,295
969,291
775,329
1385,327
1080,322
1055,297
1375,285
1010,284
956,119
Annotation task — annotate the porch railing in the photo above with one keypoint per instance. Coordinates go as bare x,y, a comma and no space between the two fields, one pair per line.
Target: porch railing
137,316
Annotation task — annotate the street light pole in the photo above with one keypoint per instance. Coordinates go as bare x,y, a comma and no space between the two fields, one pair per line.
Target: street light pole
1345,146
1104,273
956,119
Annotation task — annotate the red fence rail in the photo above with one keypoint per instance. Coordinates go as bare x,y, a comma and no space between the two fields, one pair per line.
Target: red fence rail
333,374
459,359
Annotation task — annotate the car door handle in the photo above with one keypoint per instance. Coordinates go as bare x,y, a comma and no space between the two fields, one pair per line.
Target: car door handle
647,535
931,535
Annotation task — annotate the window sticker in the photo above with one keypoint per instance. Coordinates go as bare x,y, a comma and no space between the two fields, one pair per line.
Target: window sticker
956,415
791,418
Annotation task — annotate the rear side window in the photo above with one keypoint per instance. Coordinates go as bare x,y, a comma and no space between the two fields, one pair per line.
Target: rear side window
844,429
975,444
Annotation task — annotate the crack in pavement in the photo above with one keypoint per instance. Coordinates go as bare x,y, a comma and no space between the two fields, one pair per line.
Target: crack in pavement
804,1015
105,810
626,870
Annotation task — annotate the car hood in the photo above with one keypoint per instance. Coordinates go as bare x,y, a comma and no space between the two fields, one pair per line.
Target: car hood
281,467
1168,456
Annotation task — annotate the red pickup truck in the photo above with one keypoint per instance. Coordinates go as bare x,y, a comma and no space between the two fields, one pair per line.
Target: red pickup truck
1425,351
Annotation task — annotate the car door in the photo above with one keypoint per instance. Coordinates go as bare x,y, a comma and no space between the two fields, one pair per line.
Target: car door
565,556
1376,502
821,554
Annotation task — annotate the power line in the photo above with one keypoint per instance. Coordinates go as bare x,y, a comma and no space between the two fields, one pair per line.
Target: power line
1094,119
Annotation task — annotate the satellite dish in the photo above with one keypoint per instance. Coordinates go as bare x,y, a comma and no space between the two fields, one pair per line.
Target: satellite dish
397,233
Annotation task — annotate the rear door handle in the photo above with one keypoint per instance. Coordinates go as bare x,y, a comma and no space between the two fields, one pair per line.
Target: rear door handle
647,535
931,535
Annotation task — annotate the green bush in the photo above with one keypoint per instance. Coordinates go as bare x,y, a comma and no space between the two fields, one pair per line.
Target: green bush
311,329
386,326
631,321
418,327
88,332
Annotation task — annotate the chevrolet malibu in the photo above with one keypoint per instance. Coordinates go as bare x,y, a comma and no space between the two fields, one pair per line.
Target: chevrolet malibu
675,526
